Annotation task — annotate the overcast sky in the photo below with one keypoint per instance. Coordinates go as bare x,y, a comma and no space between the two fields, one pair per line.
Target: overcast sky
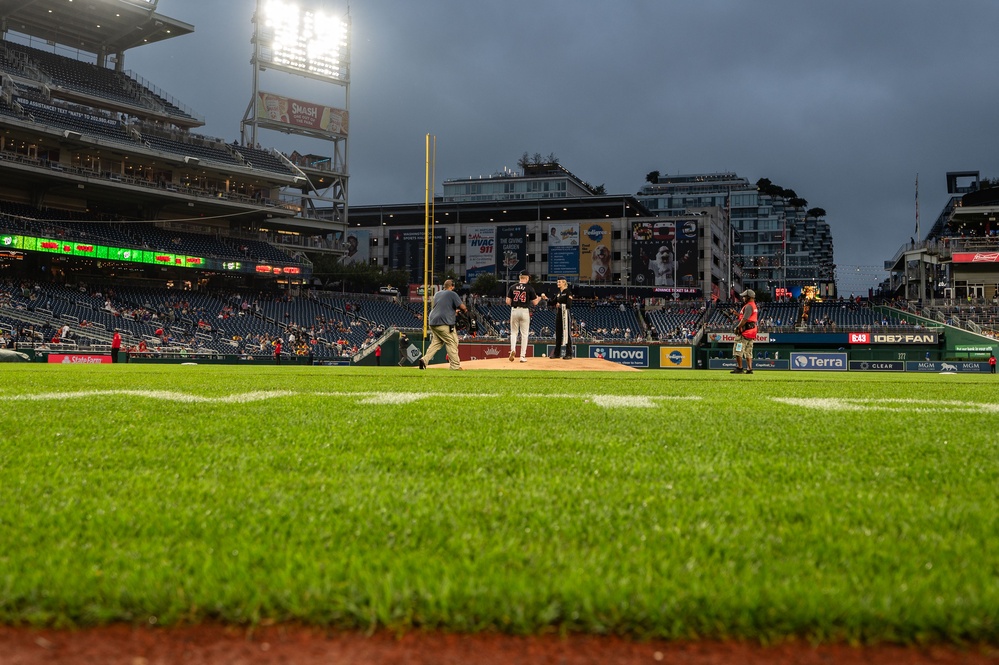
844,101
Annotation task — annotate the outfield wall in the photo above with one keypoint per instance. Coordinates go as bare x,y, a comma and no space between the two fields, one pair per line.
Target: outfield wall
644,356
639,356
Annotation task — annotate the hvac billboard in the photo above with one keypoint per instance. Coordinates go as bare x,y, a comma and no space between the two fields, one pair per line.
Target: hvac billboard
480,251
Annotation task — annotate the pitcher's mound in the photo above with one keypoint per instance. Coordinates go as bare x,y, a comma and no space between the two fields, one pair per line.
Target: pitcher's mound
550,364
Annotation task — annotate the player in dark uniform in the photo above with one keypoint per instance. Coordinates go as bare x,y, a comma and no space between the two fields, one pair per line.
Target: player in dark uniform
563,321
520,297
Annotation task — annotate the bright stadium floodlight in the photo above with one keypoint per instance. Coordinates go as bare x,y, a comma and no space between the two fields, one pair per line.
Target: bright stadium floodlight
304,40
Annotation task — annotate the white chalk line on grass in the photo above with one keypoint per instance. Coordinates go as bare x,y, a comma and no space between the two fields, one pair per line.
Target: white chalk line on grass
899,405
387,398
164,395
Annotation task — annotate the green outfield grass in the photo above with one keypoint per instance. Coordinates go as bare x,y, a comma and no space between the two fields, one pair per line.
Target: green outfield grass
860,507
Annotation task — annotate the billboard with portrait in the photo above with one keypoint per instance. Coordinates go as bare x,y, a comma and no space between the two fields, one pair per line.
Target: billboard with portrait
595,258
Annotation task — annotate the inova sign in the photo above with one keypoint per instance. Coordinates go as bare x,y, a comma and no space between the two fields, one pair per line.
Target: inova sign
828,362
633,356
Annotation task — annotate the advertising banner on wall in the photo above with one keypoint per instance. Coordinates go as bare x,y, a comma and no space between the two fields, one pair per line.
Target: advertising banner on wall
975,257
79,359
511,250
946,366
294,113
563,250
480,251
686,252
406,251
675,357
826,362
877,366
652,254
358,246
729,338
595,258
633,356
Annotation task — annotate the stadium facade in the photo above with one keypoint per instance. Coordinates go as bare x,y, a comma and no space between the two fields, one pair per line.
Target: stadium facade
102,171
958,259
549,222
780,248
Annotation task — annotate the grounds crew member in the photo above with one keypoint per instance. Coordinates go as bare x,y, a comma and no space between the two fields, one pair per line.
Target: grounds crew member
442,322
745,330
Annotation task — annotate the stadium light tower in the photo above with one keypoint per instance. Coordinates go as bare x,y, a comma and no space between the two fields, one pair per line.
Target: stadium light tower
299,39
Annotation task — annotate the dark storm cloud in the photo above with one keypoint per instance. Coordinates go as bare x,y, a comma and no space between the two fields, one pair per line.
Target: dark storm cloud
844,102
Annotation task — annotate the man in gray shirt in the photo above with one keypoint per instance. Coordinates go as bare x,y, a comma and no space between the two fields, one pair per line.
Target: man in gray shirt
442,323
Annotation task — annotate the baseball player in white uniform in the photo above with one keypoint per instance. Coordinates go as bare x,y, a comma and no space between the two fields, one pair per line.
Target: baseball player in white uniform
520,298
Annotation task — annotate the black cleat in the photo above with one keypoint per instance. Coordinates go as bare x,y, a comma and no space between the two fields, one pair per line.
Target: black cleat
423,365
748,371
737,370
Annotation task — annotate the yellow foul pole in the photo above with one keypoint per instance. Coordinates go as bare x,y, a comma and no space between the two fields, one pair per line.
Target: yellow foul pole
426,235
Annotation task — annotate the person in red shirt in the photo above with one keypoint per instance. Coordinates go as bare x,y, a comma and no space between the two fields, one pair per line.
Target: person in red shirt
115,346
742,350
992,363
378,355
277,351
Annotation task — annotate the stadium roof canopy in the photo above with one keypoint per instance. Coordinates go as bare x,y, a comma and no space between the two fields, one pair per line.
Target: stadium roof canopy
95,26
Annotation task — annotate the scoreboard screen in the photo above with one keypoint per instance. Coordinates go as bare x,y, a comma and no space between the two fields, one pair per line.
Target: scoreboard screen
85,249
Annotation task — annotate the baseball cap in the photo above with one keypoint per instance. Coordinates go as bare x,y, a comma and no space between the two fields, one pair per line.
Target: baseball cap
748,293
524,273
